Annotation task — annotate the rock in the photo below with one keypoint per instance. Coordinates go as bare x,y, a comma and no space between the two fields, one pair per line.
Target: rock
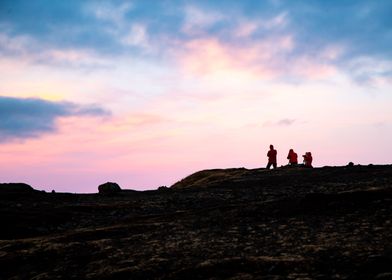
350,164
384,276
163,188
109,188
16,188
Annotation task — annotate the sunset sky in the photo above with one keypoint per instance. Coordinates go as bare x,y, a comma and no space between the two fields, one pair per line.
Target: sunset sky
144,93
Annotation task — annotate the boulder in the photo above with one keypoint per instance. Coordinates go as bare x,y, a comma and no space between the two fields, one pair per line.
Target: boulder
109,188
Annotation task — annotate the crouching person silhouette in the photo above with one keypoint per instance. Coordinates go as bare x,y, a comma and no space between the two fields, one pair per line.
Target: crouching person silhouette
308,159
271,157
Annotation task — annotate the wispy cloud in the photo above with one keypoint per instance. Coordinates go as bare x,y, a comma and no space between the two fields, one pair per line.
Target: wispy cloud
286,122
32,117
282,122
28,49
370,71
137,36
246,27
110,12
198,20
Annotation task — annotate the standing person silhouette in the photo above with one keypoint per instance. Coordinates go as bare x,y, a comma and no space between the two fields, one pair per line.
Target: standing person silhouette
271,157
292,157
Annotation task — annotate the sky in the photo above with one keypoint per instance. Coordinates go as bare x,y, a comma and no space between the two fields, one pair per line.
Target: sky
144,93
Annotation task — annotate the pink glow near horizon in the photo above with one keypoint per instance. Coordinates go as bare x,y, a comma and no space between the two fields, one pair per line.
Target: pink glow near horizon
144,151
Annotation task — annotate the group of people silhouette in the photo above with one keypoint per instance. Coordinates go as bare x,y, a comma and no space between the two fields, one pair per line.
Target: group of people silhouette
292,157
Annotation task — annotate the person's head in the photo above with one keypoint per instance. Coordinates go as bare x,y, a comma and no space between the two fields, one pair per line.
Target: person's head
271,147
309,153
291,151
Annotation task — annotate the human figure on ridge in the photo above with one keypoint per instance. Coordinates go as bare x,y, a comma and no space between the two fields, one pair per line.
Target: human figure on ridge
308,159
292,157
272,157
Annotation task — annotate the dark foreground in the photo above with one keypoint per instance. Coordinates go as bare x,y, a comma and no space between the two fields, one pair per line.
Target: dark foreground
328,223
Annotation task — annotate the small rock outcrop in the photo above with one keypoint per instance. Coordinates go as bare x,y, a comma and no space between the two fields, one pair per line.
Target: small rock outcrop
15,188
109,188
163,188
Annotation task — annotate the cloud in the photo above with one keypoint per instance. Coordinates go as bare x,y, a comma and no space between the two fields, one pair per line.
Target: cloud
370,71
212,58
27,49
282,122
135,121
285,122
84,31
137,36
16,44
110,12
272,58
197,20
31,117
279,20
247,27
61,25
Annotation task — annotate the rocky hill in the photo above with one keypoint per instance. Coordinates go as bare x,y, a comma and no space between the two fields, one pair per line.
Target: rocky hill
289,223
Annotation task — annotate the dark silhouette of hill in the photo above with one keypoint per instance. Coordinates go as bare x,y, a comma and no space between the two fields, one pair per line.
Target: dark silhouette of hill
289,223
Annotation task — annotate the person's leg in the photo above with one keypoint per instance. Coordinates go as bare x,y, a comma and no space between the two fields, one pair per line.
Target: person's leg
269,165
274,164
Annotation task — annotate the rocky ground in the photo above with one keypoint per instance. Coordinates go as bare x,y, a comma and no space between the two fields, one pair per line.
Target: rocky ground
322,223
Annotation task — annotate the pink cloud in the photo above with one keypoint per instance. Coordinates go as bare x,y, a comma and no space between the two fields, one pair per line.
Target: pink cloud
142,119
210,57
307,68
246,28
78,57
268,59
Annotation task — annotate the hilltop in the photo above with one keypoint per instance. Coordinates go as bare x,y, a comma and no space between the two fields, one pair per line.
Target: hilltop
289,223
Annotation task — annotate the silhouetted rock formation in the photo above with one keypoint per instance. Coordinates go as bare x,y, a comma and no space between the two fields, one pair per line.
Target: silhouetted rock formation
109,188
15,188
206,178
163,188
289,223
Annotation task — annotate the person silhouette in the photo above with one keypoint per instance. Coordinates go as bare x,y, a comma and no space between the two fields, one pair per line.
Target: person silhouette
308,159
292,157
271,157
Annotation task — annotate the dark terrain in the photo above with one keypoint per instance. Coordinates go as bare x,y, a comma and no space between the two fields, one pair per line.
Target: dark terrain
290,223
